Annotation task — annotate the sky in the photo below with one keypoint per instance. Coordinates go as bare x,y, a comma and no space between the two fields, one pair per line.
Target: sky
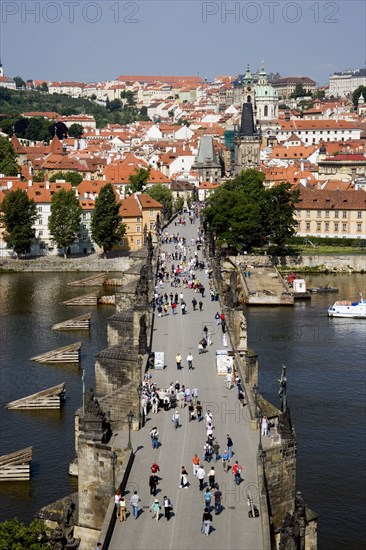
92,41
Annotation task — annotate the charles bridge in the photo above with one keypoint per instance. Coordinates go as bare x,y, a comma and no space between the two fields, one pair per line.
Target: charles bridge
264,512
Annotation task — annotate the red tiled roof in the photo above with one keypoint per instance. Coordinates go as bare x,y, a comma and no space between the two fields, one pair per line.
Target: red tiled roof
322,199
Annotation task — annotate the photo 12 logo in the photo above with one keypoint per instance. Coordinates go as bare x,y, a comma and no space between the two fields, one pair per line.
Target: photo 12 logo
269,12
69,12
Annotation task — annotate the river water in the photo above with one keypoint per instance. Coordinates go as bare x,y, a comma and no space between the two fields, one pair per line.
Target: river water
325,360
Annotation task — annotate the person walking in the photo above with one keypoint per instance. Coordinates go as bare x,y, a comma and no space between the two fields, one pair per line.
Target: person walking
155,468
211,477
199,411
178,361
225,457
206,521
200,347
237,469
201,476
194,395
207,498
217,496
174,307
154,434
134,502
183,308
195,464
217,318
117,498
194,304
190,411
168,507
264,426
183,479
190,361
205,332
216,451
229,445
122,509
155,509
153,481
200,305
176,419
229,380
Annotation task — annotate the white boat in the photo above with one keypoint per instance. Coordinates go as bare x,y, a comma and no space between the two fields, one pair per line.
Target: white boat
346,308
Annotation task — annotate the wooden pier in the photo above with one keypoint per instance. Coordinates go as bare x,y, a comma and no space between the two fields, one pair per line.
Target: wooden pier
50,398
66,354
82,322
90,299
16,466
93,280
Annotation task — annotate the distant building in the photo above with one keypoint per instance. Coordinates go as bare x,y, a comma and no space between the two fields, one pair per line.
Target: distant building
342,84
5,81
266,103
285,87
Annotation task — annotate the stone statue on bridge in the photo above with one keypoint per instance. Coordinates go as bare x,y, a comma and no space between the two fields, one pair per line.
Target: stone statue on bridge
142,287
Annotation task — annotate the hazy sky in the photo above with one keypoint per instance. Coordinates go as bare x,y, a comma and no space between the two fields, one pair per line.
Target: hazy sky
97,40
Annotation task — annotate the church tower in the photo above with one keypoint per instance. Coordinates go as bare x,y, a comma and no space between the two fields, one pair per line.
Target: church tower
248,141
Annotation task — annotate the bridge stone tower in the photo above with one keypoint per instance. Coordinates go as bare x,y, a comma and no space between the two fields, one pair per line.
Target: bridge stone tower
248,141
206,162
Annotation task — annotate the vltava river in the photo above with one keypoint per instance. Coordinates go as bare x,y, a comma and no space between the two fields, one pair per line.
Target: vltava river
325,362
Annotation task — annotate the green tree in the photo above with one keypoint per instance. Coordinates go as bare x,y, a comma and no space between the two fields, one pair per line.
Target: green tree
39,177
114,105
37,129
72,177
139,179
64,220
8,158
129,96
279,219
299,91
19,82
17,536
162,194
356,95
319,94
76,130
18,216
106,225
179,203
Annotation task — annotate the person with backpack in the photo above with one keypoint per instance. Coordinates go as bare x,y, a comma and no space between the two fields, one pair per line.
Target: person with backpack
154,434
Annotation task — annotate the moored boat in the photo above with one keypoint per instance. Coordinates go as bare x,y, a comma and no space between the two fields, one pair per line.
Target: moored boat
320,289
346,308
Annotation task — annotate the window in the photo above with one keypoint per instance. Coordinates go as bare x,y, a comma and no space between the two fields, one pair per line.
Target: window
138,242
327,213
307,226
336,214
318,226
336,227
359,215
344,214
40,221
138,228
39,208
151,225
83,226
266,110
40,233
319,214
308,213
151,213
138,219
344,227
326,226
84,237
85,215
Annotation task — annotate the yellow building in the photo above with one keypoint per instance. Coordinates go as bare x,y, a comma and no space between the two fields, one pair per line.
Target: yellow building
331,213
141,215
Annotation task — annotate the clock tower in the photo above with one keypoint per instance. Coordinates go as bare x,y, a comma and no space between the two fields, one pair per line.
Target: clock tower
248,140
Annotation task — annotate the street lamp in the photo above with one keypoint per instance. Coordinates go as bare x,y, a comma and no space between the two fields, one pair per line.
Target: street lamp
260,417
129,420
113,464
139,393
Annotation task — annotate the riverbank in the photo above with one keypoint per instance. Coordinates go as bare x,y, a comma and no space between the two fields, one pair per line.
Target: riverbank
58,264
315,263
